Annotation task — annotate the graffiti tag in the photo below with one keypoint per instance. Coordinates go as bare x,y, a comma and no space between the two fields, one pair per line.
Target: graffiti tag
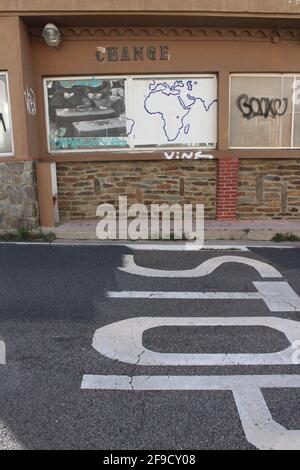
193,155
30,101
251,107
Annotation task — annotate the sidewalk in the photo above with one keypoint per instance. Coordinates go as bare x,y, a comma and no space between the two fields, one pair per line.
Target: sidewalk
259,230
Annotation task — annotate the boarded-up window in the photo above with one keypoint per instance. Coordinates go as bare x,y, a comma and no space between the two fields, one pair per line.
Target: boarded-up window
117,113
262,112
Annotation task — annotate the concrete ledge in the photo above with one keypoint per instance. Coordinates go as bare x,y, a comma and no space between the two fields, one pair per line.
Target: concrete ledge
260,230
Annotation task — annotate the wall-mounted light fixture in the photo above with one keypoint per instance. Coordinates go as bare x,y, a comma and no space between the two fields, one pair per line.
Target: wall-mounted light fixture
52,36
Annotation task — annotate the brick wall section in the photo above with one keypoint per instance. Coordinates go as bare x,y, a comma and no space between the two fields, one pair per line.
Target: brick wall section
227,186
83,186
269,189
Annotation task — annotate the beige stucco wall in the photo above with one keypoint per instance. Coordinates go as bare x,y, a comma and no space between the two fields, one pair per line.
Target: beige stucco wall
15,58
29,83
18,199
10,61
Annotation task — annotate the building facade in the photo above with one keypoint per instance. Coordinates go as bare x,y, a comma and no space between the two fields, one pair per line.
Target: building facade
155,101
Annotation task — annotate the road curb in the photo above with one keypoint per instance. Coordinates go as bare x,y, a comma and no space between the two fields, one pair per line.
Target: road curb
210,234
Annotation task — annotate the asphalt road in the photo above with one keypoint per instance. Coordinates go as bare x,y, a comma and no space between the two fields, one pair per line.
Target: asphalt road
54,298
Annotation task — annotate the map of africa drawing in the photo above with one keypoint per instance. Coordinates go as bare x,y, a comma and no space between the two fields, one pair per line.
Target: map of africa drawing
176,112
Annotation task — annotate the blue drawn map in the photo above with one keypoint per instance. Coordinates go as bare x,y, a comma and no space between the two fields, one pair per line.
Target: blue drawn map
173,102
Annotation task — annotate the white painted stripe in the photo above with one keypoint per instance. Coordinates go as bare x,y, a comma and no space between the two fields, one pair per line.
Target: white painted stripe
204,269
123,341
184,295
25,243
175,247
275,247
187,382
278,296
260,428
133,246
148,247
2,353
180,247
10,437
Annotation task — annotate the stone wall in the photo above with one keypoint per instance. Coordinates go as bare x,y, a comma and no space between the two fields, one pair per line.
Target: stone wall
269,189
18,195
83,186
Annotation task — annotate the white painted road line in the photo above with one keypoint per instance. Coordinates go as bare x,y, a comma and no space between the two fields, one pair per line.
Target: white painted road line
184,295
149,247
2,353
181,247
275,247
187,382
278,296
123,341
260,428
204,269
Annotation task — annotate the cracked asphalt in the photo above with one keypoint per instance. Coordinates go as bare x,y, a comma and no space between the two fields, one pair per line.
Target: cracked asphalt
54,298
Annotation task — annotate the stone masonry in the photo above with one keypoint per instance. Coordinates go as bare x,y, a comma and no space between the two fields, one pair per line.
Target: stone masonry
269,189
18,196
266,188
83,186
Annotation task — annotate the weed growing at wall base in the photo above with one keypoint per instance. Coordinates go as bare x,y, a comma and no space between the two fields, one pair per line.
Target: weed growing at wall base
285,237
24,234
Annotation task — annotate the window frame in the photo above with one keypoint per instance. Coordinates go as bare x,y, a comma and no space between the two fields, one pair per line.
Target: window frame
130,149
12,153
268,75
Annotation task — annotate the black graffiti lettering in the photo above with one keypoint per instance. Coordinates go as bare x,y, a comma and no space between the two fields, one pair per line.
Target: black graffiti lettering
276,105
244,106
278,108
255,106
2,121
264,104
251,107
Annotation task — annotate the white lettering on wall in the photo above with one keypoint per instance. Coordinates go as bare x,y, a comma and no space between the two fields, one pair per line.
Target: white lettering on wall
192,155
